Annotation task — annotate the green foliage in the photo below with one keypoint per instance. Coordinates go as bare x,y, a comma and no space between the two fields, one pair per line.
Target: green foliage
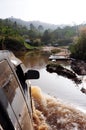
46,36
10,28
11,44
78,49
38,36
40,28
28,46
11,35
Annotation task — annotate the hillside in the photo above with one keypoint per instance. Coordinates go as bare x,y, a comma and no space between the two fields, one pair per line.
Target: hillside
35,23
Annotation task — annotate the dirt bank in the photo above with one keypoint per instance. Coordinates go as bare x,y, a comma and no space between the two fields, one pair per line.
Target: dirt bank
63,51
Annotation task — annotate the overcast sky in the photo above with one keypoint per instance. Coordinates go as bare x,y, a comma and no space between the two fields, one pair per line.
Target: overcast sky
50,11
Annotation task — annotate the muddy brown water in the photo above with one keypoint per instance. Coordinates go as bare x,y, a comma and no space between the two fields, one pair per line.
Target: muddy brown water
61,105
50,113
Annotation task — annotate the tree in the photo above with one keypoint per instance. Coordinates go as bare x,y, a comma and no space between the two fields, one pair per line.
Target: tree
40,28
32,27
46,36
78,49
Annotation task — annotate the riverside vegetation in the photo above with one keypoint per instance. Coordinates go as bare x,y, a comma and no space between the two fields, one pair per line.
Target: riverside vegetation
16,37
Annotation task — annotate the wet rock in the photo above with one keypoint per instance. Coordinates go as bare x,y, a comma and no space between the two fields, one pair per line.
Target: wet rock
79,67
83,90
62,71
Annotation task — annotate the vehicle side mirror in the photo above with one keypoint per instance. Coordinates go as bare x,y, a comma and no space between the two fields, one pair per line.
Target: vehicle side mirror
32,74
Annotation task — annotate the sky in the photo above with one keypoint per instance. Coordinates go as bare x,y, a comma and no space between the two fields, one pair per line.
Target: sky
49,11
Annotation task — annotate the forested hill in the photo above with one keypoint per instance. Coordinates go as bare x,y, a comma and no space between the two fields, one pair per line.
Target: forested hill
35,23
15,35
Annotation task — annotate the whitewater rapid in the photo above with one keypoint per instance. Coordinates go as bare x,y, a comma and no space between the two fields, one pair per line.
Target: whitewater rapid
50,113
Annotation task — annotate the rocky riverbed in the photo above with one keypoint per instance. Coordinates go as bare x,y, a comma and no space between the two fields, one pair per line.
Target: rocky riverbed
79,67
59,69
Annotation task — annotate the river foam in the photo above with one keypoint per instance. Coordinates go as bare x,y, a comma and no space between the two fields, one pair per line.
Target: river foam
50,113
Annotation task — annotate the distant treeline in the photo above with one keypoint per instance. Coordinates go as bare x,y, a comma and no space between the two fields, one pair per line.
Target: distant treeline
16,36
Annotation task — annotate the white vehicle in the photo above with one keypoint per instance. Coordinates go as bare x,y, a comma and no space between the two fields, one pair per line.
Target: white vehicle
15,93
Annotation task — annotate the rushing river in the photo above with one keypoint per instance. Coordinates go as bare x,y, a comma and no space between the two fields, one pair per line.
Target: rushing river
58,103
53,84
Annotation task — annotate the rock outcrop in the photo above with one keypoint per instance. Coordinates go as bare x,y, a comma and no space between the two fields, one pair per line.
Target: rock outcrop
59,69
79,67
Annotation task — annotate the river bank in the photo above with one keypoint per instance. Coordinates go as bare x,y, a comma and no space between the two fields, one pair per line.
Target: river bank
62,50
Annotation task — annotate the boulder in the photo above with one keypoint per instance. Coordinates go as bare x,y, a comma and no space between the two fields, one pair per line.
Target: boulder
79,67
59,69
